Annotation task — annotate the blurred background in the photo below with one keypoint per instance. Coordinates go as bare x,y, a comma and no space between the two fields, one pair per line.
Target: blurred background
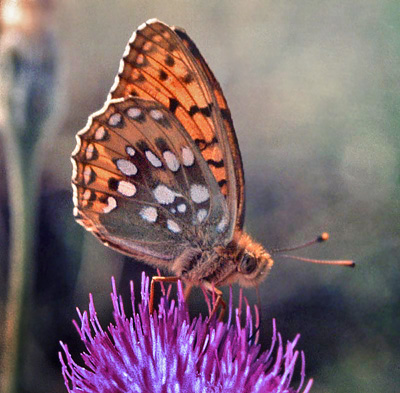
313,87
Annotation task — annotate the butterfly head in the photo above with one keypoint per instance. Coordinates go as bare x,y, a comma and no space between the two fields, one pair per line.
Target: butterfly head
248,261
252,261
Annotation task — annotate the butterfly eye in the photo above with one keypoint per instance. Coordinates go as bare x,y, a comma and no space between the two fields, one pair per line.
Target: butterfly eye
248,264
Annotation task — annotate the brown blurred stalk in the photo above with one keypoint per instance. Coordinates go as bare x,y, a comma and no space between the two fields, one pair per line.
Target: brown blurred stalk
27,75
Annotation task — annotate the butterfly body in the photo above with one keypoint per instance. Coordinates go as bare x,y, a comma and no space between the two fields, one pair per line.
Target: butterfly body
224,265
157,172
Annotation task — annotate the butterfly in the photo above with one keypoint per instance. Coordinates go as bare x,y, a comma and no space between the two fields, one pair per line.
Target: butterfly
157,172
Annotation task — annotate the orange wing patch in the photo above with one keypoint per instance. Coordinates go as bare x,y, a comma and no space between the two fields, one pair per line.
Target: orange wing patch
158,64
227,123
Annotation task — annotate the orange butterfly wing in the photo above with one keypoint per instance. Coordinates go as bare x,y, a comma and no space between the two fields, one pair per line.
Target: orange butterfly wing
163,64
142,187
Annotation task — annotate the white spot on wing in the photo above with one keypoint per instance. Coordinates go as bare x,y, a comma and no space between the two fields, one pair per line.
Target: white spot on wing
222,224
90,151
100,134
111,204
164,195
156,114
201,215
130,150
149,214
87,194
171,160
126,167
182,208
187,156
87,174
126,188
199,193
153,159
173,226
134,112
115,119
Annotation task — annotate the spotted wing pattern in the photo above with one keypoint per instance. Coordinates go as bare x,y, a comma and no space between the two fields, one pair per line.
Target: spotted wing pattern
163,64
228,127
141,184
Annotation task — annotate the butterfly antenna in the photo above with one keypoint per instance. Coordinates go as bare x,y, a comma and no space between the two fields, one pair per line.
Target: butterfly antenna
321,238
348,263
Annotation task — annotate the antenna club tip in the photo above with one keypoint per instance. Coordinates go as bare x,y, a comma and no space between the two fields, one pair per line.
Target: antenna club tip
323,237
352,264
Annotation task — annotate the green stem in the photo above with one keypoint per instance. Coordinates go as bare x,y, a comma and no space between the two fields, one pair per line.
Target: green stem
23,198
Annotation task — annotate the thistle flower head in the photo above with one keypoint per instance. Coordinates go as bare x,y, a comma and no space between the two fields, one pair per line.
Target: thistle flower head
167,352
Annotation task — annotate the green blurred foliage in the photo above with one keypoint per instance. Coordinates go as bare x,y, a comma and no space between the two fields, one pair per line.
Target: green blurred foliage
313,87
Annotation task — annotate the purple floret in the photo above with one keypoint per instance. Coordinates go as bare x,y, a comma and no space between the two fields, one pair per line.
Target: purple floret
167,352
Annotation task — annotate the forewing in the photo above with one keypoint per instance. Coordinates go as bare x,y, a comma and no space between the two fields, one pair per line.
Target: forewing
141,185
163,64
227,123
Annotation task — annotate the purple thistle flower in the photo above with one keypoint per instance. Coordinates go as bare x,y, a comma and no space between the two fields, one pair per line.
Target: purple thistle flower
166,352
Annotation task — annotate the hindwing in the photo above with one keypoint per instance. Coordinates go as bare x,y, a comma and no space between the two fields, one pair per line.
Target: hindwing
141,184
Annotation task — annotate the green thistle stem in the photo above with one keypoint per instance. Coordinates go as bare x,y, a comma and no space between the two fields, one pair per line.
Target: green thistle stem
23,197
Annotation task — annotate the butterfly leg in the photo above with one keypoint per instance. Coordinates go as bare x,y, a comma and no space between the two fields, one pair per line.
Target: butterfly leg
155,279
219,302
188,290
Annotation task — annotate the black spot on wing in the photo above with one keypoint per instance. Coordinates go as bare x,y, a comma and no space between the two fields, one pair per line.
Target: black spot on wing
192,47
140,78
171,47
222,182
169,61
193,110
216,164
113,184
162,144
92,177
202,144
226,115
142,146
92,197
173,104
188,78
103,198
162,75
206,111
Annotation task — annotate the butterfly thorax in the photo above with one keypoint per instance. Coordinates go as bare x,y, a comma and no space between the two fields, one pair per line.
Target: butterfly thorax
241,260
